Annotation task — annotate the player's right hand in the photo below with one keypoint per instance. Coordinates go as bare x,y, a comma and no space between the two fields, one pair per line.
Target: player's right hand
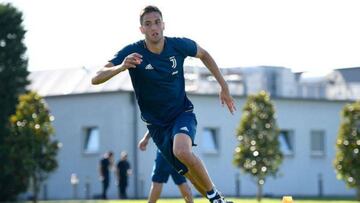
132,60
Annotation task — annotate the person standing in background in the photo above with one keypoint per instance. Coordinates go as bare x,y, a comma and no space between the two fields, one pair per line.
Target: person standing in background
106,163
123,171
160,175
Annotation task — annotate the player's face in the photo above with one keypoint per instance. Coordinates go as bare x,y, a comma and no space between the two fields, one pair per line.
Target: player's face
152,27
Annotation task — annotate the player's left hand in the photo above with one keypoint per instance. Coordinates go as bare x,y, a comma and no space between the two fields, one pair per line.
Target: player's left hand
227,99
142,144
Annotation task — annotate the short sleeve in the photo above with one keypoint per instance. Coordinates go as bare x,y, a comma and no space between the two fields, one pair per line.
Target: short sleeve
120,56
187,46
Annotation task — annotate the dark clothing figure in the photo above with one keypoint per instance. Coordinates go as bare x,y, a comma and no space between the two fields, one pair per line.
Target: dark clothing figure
105,165
123,171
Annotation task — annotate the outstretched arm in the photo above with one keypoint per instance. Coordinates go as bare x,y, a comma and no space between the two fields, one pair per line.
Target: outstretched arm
210,63
109,70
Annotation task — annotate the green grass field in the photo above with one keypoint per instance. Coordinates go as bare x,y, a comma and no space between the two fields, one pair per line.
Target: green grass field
202,200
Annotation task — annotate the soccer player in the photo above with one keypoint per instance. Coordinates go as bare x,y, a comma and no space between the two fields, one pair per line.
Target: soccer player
160,175
155,66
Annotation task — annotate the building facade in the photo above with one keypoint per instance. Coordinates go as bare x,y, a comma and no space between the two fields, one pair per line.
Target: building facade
90,120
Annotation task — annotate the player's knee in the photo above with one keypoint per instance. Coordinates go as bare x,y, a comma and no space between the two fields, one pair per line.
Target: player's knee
183,154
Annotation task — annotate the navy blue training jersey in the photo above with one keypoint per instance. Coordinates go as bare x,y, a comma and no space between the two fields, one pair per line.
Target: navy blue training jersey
158,81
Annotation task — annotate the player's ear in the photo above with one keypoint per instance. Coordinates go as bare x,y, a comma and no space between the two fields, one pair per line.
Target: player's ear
142,29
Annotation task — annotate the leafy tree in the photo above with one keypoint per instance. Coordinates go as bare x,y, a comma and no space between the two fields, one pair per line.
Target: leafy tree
347,160
13,80
13,65
31,126
258,152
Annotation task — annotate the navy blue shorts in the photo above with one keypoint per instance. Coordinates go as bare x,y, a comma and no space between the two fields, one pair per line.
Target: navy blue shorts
162,170
163,137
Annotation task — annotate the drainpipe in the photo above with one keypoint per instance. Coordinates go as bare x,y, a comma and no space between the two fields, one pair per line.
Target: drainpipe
135,151
237,184
320,185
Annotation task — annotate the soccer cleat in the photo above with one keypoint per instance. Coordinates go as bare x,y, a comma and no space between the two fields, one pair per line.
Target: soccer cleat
219,199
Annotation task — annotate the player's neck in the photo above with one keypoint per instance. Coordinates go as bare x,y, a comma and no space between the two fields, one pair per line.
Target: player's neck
155,47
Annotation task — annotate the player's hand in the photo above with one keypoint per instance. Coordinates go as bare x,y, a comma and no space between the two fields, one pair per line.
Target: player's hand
132,60
227,99
143,144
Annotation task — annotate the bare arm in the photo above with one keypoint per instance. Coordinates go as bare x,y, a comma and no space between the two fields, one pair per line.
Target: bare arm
129,172
101,175
147,135
210,63
109,70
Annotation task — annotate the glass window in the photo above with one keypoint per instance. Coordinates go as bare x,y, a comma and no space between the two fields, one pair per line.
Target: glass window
358,126
286,139
317,143
91,141
210,142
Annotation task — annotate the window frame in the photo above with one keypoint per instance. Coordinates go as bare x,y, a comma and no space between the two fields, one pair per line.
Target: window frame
86,140
318,153
214,139
291,135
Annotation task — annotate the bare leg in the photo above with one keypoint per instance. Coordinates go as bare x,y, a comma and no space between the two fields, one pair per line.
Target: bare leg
155,192
197,173
186,192
195,181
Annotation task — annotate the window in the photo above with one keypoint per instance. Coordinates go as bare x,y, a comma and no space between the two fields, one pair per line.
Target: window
317,143
358,126
210,142
91,140
286,139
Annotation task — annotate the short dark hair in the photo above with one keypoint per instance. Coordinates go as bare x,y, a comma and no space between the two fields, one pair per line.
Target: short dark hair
149,9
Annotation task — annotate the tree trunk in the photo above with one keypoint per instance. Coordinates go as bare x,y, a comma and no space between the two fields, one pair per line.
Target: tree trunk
358,193
35,189
259,192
